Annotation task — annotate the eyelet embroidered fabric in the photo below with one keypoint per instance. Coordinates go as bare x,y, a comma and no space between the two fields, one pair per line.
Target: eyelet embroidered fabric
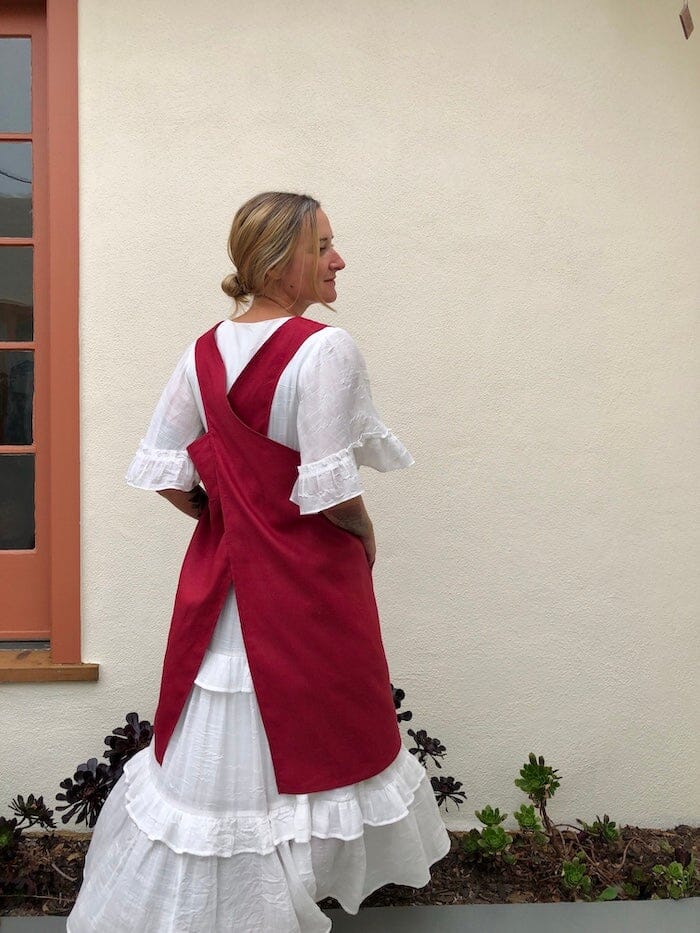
206,843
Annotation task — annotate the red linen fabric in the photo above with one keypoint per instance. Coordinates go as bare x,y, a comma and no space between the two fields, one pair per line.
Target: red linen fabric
303,588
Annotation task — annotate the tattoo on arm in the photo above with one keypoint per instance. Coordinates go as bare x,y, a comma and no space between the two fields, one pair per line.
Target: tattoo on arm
198,500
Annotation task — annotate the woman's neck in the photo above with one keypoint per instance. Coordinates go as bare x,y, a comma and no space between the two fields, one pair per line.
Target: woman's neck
267,309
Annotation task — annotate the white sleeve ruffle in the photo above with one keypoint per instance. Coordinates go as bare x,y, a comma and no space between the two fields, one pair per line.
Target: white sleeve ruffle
327,482
336,478
162,461
339,428
154,468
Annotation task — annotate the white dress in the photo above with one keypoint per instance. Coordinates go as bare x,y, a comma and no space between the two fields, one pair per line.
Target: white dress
205,843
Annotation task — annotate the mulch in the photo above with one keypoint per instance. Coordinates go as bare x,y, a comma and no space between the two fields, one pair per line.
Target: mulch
46,871
535,876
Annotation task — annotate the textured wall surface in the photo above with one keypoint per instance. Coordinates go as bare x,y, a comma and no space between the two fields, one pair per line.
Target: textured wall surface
515,189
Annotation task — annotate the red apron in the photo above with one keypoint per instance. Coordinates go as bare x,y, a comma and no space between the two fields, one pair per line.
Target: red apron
303,587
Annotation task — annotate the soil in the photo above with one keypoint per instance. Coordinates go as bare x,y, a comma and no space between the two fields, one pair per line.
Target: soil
46,869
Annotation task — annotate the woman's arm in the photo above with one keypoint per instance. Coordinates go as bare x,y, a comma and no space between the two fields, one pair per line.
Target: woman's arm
192,503
352,516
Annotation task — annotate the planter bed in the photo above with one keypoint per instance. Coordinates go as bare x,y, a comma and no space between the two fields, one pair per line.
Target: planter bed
48,866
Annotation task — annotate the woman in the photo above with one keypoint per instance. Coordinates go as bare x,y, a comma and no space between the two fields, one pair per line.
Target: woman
277,776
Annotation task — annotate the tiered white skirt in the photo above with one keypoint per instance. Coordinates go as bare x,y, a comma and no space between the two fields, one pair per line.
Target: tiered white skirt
206,844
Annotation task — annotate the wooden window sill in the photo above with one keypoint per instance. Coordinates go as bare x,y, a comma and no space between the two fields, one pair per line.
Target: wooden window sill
30,666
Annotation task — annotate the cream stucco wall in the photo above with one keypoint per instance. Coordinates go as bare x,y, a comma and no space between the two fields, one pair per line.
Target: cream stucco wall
515,188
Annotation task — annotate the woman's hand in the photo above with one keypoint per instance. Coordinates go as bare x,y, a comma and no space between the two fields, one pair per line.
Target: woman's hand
192,503
352,516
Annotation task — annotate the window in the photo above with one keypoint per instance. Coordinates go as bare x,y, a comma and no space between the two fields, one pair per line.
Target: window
39,455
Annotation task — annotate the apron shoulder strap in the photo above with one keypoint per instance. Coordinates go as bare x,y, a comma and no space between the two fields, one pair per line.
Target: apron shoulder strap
211,372
252,393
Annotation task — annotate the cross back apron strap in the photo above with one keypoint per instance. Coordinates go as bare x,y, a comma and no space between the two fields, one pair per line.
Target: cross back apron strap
252,393
303,588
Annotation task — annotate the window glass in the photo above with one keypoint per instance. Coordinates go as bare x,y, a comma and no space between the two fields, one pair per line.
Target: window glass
16,396
15,189
16,502
15,86
16,293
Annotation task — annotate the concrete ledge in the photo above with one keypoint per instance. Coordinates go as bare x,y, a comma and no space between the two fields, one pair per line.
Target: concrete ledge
625,917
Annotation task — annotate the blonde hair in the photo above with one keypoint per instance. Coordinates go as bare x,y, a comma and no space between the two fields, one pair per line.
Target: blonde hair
264,234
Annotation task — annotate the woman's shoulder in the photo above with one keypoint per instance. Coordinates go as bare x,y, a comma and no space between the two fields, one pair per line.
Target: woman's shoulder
334,339
330,356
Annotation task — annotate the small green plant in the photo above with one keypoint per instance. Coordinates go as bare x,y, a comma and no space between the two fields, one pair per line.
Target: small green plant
575,876
529,822
609,893
31,812
9,836
470,842
490,817
677,880
640,887
605,829
492,840
539,781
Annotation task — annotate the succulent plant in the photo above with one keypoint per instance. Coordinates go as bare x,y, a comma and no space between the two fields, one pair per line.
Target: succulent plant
86,792
494,840
490,817
399,697
446,788
426,747
32,811
537,779
527,818
605,829
9,836
126,741
575,876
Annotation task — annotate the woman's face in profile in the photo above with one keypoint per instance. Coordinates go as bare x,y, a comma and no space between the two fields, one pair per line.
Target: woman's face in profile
298,280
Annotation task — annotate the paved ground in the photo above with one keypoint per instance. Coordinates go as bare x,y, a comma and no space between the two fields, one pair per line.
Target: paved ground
627,917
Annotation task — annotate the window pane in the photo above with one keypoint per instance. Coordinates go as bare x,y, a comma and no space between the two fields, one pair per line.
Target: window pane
15,189
15,86
17,502
16,394
16,292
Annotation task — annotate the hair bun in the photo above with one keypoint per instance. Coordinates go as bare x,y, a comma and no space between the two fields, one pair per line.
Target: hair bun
233,287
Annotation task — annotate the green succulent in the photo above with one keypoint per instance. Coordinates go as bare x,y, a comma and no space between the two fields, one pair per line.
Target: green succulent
9,836
527,819
677,880
605,829
538,780
575,876
470,842
490,817
494,839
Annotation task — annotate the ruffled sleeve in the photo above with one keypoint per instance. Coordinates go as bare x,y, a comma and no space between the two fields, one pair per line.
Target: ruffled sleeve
338,427
162,461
